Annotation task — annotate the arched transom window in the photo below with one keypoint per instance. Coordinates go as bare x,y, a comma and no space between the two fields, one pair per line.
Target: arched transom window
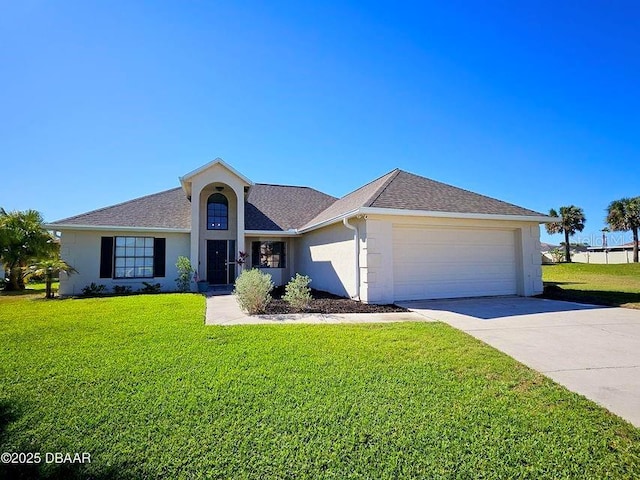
217,212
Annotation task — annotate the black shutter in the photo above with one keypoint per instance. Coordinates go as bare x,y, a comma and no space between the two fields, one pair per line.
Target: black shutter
255,254
159,256
283,253
106,257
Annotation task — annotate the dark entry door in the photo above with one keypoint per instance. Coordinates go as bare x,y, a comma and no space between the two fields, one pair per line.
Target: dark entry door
217,262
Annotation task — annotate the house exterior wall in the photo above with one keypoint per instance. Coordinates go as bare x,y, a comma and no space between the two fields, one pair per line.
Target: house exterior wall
202,185
81,249
378,262
531,273
327,256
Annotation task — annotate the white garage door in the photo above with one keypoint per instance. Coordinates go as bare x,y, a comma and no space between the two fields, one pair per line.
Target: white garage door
452,262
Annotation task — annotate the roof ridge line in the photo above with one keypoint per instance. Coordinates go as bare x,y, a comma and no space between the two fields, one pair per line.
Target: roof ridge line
382,188
365,185
281,185
115,205
293,186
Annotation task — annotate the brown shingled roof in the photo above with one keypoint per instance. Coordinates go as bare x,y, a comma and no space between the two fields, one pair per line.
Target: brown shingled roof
279,207
406,191
356,199
268,207
168,209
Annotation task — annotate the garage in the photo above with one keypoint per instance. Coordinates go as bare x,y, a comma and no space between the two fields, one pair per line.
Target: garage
437,262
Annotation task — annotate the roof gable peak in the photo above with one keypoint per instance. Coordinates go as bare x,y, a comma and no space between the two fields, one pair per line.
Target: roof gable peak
186,179
211,164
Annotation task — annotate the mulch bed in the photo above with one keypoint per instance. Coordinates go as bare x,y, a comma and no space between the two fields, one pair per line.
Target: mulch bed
325,302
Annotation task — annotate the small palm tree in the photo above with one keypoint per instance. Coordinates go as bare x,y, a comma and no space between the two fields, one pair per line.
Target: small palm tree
23,240
624,215
572,220
49,268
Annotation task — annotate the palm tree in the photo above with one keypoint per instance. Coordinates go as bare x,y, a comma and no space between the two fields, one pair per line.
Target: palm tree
572,220
624,215
23,240
50,267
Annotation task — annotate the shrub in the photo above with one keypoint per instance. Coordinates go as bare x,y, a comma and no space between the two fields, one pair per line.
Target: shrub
150,288
121,289
93,289
185,272
297,292
557,254
252,290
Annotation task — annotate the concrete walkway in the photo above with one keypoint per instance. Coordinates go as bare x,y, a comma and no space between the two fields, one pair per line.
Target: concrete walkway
592,350
224,310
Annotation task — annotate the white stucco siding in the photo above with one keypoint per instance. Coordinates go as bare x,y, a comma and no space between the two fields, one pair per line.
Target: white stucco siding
327,255
81,249
422,257
529,251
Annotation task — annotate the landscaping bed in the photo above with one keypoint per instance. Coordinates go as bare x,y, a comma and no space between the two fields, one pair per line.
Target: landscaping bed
327,303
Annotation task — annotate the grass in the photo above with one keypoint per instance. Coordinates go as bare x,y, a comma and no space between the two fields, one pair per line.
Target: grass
141,384
31,290
616,285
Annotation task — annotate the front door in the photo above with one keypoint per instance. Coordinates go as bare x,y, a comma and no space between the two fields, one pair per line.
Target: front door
217,262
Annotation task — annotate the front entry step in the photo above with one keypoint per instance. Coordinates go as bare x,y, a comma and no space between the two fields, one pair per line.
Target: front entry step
219,290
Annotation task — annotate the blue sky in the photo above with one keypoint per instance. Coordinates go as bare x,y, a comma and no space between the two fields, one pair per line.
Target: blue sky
535,103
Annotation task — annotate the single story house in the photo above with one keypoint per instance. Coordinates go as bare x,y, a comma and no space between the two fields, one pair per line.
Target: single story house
399,237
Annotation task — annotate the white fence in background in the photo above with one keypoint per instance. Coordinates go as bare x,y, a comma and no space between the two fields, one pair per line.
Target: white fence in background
625,256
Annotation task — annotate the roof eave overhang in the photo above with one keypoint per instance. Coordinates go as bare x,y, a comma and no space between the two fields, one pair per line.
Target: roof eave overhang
271,233
186,186
427,213
114,228
329,221
473,216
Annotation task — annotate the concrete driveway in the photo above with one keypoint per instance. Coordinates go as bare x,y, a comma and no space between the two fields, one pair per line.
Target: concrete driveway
592,350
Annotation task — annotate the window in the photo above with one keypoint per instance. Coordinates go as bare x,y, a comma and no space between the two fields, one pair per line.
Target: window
217,212
268,254
133,257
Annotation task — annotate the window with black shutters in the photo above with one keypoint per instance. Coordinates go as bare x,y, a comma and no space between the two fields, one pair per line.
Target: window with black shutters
133,257
268,254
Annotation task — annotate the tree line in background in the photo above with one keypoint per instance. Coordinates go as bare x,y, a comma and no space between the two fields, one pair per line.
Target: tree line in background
28,249
622,216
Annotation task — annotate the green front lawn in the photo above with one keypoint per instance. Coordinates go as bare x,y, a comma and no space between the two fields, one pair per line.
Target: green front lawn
30,290
150,392
617,285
